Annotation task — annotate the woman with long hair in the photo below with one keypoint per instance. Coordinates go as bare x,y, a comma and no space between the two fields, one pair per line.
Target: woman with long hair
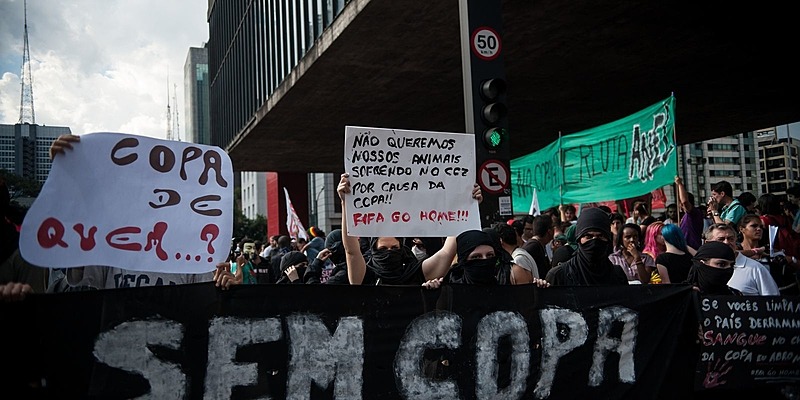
674,263
654,246
654,240
629,256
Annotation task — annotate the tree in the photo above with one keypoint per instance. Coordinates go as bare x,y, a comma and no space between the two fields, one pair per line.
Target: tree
20,186
255,229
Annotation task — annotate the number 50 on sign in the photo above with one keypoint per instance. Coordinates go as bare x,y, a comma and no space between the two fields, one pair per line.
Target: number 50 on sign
486,43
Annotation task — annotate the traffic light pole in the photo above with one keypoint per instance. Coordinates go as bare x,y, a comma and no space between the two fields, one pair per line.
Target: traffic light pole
485,109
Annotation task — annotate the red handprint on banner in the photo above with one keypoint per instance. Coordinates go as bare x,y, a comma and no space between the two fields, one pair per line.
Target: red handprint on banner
714,377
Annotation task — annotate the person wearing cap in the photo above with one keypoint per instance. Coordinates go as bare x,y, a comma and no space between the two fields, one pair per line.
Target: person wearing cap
559,240
712,268
590,264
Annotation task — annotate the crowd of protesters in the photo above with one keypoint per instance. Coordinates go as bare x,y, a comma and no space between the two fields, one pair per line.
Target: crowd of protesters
721,246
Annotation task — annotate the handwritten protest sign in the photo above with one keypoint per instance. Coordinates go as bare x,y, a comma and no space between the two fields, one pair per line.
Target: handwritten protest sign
410,183
133,202
748,341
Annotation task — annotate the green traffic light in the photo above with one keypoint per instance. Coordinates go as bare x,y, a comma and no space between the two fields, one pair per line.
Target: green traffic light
494,137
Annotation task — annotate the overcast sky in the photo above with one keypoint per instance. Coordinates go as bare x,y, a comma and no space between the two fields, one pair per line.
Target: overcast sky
100,65
103,65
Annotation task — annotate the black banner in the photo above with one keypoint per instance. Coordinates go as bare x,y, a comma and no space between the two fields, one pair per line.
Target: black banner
344,342
749,340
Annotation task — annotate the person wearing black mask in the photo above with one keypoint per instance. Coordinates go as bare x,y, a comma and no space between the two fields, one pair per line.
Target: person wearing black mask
333,252
293,267
390,260
590,264
480,261
712,268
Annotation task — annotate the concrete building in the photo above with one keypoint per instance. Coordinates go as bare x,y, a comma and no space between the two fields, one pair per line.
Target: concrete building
730,158
254,194
195,89
287,77
24,149
778,162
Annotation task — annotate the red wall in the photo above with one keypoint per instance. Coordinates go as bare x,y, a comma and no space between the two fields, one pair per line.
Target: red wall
297,186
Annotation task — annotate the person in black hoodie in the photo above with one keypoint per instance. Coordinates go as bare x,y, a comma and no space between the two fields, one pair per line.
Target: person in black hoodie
390,260
590,264
293,268
333,252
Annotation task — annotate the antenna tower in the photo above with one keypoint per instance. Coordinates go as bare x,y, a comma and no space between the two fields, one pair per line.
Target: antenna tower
175,103
169,113
26,114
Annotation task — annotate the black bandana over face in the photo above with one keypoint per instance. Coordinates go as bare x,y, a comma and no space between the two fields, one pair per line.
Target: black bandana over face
595,250
475,272
393,266
333,242
479,271
710,280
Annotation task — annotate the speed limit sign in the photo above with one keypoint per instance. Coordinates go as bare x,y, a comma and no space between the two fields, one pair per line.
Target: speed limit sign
486,43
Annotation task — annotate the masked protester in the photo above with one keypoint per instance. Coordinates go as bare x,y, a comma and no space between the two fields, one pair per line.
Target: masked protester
293,267
389,260
332,259
590,264
479,262
712,268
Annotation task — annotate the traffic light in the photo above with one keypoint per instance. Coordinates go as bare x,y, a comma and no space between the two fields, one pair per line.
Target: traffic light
493,113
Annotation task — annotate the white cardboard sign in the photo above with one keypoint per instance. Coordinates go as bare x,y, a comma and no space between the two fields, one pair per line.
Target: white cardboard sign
409,183
133,202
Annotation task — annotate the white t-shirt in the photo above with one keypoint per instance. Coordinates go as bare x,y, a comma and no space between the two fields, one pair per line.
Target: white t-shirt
752,278
101,277
524,260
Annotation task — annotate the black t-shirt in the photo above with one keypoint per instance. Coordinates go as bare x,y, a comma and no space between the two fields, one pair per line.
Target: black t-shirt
678,265
537,251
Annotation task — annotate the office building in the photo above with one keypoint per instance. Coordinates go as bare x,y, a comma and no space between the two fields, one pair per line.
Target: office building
730,158
25,149
777,162
195,85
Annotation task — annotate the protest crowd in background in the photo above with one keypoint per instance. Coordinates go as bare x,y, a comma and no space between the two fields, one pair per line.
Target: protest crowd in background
526,249
721,245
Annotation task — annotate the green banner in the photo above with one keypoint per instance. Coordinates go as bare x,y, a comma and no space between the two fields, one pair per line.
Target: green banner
625,158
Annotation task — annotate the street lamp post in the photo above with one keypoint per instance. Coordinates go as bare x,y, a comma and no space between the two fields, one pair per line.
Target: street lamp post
316,206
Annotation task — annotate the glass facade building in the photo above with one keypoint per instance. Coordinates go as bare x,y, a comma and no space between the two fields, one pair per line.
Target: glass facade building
253,47
195,73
